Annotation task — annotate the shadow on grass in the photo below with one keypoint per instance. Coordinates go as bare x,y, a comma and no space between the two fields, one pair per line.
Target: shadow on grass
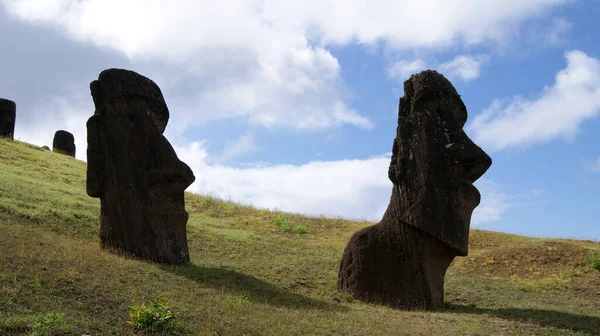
547,318
255,289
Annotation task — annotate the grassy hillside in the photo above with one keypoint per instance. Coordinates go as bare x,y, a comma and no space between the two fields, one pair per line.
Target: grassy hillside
255,272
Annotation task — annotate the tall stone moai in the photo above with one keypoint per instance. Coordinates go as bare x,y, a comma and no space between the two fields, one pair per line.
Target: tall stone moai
134,170
64,143
8,113
402,260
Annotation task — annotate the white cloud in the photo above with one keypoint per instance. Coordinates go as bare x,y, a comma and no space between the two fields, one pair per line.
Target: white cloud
349,188
557,112
401,70
266,60
592,166
465,67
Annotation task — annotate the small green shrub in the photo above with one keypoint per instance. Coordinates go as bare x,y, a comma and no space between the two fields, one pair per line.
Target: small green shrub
300,229
154,317
48,324
594,261
282,223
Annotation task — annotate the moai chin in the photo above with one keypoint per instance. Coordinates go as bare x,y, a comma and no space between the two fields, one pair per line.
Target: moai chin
134,170
402,260
64,143
8,111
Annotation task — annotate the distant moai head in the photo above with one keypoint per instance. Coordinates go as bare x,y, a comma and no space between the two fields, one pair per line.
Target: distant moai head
8,111
434,163
64,143
134,170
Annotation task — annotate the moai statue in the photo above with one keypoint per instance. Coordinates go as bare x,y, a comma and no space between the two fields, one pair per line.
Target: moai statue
8,111
64,143
402,260
134,170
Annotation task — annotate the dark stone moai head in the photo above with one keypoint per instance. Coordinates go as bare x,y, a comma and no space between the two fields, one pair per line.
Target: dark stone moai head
8,111
134,170
64,143
143,96
434,163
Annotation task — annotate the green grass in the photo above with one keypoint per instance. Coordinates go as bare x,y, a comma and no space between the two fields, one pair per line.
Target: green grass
594,261
248,276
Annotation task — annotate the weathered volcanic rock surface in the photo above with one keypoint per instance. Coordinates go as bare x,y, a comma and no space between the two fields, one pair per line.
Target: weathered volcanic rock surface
134,170
64,143
8,113
402,260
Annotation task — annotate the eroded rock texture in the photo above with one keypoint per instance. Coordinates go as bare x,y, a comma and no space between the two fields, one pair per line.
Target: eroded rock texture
134,170
64,143
8,112
402,260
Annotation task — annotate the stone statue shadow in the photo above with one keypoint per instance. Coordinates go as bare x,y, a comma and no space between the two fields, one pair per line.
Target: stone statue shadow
548,318
255,289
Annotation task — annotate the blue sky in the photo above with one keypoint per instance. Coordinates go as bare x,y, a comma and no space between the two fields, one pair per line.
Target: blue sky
292,105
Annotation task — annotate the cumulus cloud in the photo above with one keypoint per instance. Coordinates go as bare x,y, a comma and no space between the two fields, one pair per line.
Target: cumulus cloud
349,188
558,111
465,67
401,70
227,56
267,60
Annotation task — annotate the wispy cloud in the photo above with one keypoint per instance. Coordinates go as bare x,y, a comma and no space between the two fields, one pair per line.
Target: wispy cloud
401,70
465,67
244,145
592,166
496,201
558,111
556,34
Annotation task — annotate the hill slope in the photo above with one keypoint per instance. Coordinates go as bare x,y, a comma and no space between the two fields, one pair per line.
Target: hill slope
249,276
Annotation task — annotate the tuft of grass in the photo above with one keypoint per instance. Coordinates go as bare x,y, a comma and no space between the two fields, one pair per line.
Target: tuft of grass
154,317
300,229
49,324
282,222
594,261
